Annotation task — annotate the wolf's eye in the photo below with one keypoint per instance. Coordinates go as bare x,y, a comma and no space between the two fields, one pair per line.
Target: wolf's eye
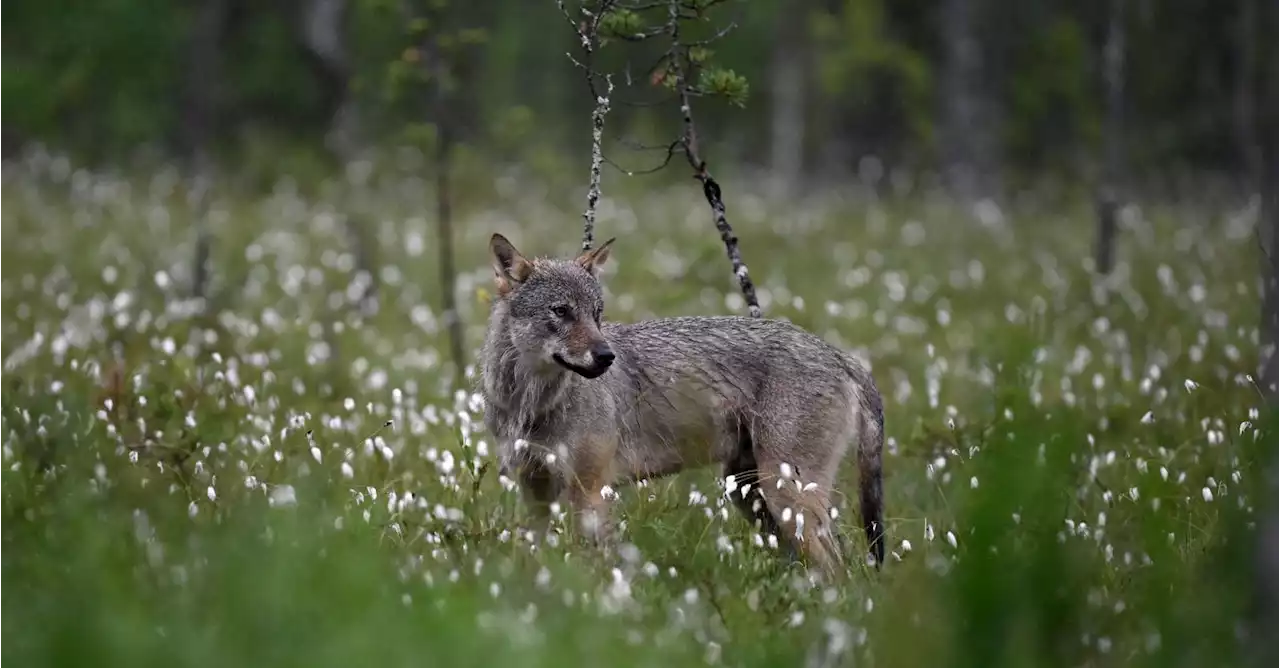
560,311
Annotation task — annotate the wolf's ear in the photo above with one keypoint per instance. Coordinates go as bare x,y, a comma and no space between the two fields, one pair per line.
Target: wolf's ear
509,266
593,259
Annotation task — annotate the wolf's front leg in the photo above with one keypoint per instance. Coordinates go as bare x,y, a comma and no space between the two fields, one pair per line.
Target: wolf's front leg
538,490
592,462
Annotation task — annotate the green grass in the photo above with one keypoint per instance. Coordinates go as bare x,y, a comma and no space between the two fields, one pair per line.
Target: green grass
281,481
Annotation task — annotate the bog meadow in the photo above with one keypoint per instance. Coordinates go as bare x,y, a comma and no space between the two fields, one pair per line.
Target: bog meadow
246,277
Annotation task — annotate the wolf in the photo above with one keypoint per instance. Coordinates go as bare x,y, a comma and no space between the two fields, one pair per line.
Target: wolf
578,405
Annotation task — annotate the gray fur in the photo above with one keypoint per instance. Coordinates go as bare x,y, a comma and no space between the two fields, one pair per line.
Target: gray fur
748,394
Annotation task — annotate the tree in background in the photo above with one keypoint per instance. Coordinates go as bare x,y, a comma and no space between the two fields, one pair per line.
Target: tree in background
1108,199
877,82
322,31
1269,188
923,85
788,91
966,135
437,51
199,109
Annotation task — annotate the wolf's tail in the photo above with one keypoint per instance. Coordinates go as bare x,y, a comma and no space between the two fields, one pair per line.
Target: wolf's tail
872,487
870,454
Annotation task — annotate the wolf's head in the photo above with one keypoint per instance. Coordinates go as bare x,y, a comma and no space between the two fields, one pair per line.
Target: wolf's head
552,308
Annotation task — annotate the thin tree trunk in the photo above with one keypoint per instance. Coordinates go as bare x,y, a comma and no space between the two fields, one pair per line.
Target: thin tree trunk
787,127
962,124
448,272
444,210
198,110
1244,100
1269,186
1113,139
325,43
1267,233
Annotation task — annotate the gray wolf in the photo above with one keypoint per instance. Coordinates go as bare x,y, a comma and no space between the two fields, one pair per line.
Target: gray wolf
577,404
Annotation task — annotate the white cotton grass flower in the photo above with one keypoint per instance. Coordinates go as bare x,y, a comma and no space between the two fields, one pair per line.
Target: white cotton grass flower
282,495
1207,494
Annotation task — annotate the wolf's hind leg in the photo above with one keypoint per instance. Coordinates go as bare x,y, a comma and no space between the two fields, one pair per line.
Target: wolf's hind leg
746,492
752,506
797,494
804,520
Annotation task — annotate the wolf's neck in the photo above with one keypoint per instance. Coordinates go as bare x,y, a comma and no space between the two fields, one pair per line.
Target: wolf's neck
521,394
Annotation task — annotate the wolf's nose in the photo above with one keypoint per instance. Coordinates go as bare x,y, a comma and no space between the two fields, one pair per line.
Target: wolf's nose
603,354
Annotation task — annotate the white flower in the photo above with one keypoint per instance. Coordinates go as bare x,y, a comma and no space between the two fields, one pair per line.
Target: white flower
283,495
1207,494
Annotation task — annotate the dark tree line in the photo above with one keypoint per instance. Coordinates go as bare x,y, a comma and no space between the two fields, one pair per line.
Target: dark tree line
982,91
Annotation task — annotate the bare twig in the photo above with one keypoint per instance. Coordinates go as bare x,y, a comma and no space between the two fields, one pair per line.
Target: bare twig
597,157
689,141
666,160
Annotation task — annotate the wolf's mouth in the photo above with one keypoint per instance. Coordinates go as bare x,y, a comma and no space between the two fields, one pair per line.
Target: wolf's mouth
585,371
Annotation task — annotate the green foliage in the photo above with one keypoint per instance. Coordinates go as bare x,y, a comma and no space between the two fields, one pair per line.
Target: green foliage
1053,103
99,75
725,83
861,61
104,79
620,23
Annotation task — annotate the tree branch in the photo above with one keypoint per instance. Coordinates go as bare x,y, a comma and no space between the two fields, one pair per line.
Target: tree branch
588,35
689,141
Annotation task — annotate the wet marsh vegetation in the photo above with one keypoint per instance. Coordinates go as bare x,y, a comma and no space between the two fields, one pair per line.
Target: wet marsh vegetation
1076,470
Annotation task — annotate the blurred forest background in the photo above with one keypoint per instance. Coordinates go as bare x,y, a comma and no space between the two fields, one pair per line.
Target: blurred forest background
991,95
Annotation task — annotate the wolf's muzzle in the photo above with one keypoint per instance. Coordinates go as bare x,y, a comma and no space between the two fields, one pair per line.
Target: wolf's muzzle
602,354
601,358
